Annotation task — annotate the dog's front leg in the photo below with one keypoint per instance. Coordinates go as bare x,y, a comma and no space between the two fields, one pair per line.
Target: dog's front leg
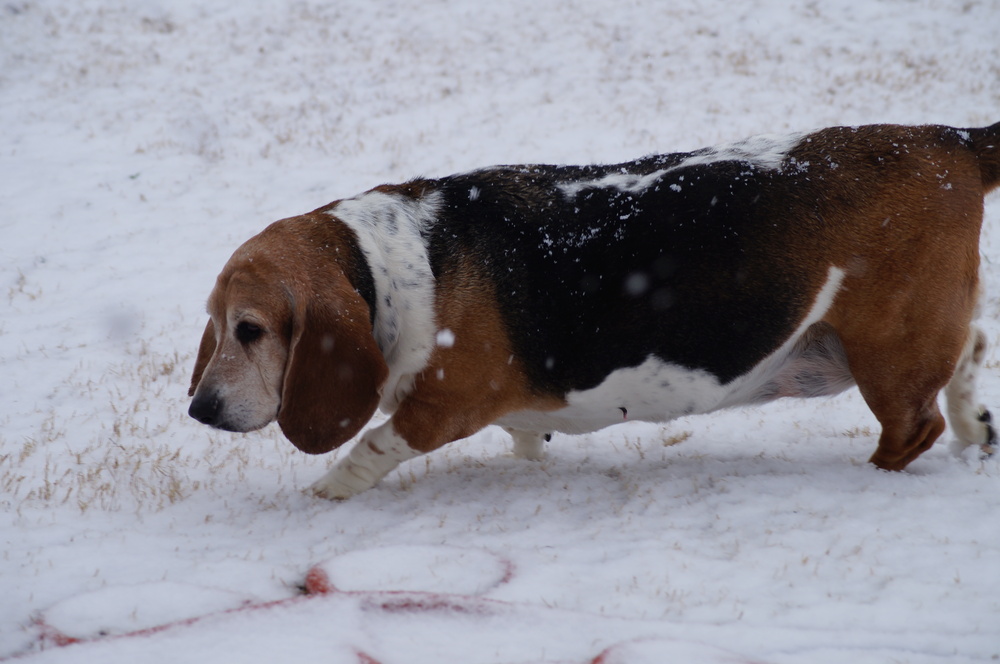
379,451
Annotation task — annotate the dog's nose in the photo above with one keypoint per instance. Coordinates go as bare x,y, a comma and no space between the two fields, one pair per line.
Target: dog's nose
205,408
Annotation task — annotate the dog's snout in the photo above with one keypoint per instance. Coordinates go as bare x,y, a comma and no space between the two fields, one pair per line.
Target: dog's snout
206,408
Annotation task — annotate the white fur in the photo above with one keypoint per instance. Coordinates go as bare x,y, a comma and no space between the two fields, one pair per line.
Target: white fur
627,182
767,151
964,411
389,228
654,391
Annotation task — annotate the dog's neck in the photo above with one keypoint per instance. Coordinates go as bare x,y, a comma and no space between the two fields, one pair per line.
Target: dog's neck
390,228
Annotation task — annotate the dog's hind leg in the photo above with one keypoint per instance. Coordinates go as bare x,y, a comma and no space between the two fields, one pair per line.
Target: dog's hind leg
899,376
970,422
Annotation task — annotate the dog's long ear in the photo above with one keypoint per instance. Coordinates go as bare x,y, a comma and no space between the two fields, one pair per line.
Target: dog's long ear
335,370
205,351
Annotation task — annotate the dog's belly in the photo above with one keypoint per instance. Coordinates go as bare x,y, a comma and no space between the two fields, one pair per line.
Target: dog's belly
810,362
655,391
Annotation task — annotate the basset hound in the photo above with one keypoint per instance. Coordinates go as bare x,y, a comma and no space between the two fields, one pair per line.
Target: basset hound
571,298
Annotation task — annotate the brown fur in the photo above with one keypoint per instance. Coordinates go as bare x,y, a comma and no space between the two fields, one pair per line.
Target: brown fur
903,327
468,385
291,278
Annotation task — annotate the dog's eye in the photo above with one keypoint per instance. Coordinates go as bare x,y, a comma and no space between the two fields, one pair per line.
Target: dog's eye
248,332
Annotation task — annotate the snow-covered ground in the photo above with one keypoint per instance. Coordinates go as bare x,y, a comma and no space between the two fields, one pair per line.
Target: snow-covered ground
142,141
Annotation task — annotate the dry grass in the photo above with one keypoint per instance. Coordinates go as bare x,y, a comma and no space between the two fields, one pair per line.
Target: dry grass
860,432
124,443
677,438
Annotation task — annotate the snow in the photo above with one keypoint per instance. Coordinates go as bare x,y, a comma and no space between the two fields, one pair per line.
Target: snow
432,569
445,338
143,141
124,609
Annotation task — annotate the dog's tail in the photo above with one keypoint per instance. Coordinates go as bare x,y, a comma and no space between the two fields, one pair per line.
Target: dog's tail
985,145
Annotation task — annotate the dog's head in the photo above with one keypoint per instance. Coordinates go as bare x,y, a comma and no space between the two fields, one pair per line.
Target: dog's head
289,339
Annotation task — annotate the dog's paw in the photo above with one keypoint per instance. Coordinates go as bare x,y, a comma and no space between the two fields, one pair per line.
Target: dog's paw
329,492
339,484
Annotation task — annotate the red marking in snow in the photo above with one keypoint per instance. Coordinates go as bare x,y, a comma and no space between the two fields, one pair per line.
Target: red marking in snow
623,652
508,571
318,582
50,635
53,635
387,601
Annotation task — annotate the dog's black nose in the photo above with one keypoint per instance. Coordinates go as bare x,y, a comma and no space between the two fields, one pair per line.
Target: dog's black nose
205,408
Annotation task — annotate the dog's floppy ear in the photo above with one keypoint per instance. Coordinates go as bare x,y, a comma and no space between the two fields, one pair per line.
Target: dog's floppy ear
205,351
335,371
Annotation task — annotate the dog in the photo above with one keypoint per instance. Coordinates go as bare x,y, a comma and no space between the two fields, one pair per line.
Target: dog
571,298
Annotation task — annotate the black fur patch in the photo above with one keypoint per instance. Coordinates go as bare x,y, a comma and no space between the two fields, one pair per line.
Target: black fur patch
596,278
